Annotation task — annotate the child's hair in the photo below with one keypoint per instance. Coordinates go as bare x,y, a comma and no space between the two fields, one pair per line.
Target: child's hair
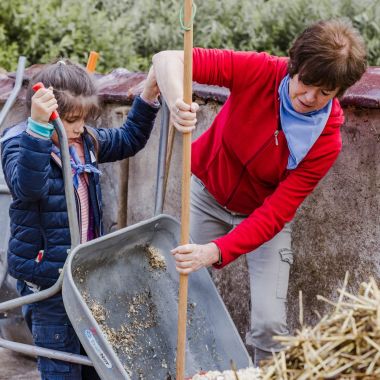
73,88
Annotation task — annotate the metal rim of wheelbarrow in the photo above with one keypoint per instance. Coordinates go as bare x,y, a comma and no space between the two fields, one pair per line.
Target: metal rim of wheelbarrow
113,270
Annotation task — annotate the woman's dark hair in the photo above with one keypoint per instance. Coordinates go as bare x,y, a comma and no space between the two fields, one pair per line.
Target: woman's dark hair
329,54
73,88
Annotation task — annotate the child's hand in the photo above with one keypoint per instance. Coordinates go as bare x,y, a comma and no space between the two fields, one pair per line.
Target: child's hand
43,105
151,90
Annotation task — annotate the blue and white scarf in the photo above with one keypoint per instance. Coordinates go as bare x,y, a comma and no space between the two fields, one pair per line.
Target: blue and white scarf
76,165
301,129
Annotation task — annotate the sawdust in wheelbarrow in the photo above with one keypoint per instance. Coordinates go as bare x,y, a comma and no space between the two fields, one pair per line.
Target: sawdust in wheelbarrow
140,310
118,338
124,338
156,260
128,339
80,275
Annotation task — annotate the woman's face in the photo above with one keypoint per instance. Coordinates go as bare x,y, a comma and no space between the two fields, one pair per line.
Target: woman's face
307,98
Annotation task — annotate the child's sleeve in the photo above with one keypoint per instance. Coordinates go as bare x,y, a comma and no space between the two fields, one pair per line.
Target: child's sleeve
26,166
119,143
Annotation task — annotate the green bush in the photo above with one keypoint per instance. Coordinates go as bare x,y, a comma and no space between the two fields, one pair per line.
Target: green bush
127,33
43,30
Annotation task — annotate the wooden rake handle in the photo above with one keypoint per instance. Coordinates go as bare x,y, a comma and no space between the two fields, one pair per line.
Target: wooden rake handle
185,198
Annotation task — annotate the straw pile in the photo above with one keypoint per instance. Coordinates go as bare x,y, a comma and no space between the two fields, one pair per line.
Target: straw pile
343,345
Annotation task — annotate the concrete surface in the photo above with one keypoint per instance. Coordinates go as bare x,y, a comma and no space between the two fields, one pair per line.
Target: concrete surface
17,367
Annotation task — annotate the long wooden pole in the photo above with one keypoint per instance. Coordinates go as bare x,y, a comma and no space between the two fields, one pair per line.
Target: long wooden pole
185,198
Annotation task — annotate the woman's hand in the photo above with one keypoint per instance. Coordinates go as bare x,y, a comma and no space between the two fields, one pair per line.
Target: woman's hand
44,104
168,67
151,91
191,257
184,116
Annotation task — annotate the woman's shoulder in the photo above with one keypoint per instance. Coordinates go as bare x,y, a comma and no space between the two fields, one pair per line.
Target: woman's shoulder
336,118
204,54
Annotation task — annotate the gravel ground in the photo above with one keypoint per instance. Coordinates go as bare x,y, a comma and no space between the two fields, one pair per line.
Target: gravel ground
17,367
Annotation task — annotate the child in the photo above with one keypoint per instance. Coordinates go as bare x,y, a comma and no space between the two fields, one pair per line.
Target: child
40,235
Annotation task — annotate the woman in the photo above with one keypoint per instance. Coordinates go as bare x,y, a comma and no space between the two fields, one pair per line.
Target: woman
273,140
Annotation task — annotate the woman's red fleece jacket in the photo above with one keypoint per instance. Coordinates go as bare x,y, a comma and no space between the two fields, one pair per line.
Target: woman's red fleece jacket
242,157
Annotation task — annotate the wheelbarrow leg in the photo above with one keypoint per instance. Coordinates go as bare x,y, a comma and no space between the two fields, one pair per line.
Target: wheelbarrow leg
29,350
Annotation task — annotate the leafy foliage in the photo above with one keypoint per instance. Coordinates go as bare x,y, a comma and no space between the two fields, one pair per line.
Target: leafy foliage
127,33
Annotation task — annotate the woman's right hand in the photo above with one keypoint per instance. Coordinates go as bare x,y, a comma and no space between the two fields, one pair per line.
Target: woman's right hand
192,257
44,104
184,116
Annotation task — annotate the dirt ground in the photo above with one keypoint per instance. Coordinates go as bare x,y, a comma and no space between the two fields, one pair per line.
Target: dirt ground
17,367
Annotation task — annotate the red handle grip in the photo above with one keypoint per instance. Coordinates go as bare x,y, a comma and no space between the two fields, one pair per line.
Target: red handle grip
36,87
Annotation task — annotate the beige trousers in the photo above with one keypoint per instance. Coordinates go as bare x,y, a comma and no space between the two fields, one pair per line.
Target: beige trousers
268,268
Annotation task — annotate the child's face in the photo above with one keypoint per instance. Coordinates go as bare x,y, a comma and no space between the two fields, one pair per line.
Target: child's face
74,126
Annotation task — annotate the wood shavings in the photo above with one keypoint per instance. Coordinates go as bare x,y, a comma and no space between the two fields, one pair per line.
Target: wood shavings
80,275
120,338
98,311
156,260
343,345
125,337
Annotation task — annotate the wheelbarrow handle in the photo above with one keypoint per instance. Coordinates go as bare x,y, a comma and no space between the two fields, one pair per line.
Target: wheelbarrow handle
16,89
67,176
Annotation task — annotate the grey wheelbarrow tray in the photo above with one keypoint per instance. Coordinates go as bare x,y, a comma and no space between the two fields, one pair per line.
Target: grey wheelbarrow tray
124,309
134,303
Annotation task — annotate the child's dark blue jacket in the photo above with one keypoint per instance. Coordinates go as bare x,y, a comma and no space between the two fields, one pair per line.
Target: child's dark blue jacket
38,212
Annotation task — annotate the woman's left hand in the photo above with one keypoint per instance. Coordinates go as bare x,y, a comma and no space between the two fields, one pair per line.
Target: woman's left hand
184,116
191,257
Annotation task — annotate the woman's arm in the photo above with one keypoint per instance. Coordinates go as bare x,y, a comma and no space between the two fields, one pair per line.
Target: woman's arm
266,221
280,207
168,66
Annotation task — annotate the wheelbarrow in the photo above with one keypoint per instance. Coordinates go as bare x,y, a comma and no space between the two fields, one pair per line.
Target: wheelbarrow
120,293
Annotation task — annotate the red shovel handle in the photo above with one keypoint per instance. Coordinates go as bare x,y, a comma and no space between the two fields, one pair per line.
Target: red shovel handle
36,87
